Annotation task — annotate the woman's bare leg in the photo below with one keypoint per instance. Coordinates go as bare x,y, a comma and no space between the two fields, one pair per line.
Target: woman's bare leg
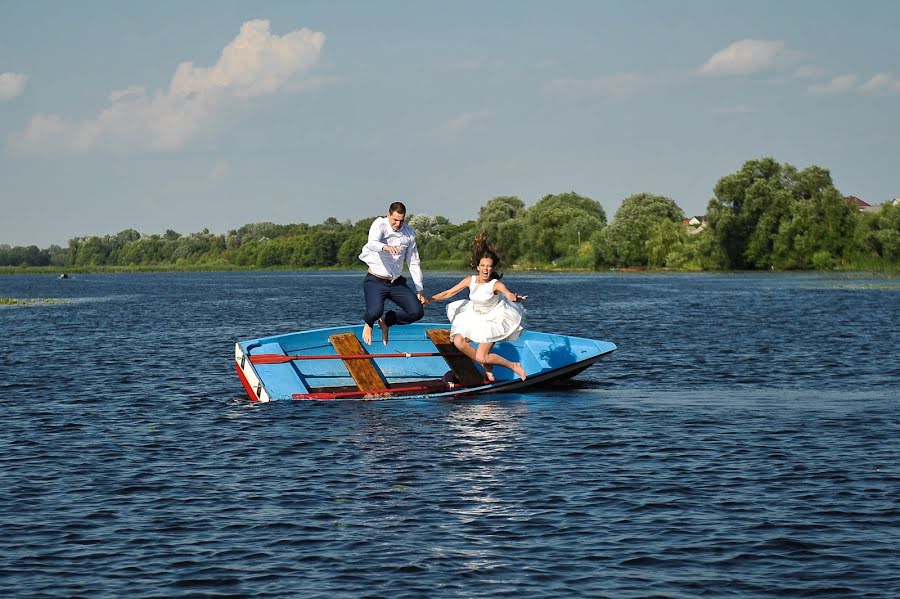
484,357
463,345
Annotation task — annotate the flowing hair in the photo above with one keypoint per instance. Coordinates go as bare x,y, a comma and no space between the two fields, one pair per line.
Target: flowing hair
482,248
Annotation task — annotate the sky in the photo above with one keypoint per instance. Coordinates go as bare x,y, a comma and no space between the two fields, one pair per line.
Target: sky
214,114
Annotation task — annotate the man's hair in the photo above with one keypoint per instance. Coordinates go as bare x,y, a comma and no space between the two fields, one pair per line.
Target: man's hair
397,207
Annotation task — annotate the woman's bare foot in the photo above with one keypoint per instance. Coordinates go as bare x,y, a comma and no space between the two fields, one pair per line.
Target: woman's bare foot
517,368
384,330
489,373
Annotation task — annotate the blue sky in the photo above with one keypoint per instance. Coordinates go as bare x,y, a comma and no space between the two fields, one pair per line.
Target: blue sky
191,115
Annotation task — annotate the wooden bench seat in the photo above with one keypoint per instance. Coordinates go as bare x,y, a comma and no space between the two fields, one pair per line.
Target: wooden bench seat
462,366
364,372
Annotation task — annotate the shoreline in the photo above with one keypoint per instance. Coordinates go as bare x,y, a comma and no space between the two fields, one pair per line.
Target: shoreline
438,267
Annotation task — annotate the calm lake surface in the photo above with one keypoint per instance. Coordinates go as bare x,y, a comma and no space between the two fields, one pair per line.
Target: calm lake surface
743,441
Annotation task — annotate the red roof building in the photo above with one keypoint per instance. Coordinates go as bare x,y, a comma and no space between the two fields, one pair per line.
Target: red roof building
860,204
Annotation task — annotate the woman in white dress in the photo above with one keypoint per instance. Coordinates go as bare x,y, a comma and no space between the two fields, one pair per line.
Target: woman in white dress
491,314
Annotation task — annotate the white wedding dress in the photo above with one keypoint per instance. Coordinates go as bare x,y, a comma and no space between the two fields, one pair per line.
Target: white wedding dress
486,317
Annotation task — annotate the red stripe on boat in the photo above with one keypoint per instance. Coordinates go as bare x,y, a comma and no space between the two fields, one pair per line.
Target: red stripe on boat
250,393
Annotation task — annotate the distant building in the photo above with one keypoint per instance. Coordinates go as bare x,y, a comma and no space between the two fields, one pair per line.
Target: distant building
694,224
861,205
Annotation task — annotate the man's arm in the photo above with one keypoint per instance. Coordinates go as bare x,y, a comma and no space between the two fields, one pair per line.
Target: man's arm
412,256
376,236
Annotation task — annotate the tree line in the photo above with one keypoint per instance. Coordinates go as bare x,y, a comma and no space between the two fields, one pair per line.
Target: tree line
767,215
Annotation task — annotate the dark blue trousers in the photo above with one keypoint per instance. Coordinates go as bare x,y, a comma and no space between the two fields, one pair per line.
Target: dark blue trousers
377,290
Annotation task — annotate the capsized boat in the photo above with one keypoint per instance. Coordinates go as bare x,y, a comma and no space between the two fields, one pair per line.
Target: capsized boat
419,361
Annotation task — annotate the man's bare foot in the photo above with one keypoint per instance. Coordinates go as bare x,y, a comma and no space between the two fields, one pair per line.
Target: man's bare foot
489,374
367,334
517,368
384,331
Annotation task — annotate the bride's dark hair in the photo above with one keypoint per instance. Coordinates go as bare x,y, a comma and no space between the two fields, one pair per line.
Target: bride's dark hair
482,248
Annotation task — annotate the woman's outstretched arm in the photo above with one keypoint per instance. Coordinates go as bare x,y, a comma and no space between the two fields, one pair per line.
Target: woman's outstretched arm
513,297
447,294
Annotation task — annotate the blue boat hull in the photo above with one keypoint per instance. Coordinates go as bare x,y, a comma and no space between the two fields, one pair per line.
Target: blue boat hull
305,365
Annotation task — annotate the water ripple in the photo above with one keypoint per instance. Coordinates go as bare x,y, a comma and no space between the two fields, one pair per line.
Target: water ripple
742,442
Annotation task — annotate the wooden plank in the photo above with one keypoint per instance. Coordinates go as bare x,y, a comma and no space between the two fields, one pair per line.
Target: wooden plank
367,377
461,365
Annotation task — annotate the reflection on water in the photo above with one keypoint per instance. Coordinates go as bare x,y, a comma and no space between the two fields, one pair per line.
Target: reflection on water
483,437
486,425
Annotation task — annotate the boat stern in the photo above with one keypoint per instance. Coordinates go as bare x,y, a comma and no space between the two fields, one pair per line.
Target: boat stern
250,380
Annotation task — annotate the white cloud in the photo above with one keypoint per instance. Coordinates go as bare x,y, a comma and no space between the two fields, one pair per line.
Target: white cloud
747,57
882,84
255,63
621,84
809,72
11,85
465,120
837,85
132,92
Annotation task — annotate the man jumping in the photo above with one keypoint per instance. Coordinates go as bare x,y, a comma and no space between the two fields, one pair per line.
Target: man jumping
391,243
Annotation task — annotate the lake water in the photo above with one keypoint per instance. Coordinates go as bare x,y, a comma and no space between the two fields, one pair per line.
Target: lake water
743,441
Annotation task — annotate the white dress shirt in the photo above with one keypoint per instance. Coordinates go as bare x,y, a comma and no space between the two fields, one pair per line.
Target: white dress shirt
386,264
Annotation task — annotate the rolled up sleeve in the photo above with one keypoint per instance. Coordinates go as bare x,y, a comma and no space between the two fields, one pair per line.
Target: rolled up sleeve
415,270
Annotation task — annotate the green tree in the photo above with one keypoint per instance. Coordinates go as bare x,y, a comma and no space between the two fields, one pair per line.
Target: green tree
127,236
322,248
817,232
30,255
351,246
333,225
273,252
501,218
638,228
738,204
772,215
877,235
666,244
298,251
889,232
434,237
511,239
426,226
460,240
89,251
246,254
557,224
58,255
